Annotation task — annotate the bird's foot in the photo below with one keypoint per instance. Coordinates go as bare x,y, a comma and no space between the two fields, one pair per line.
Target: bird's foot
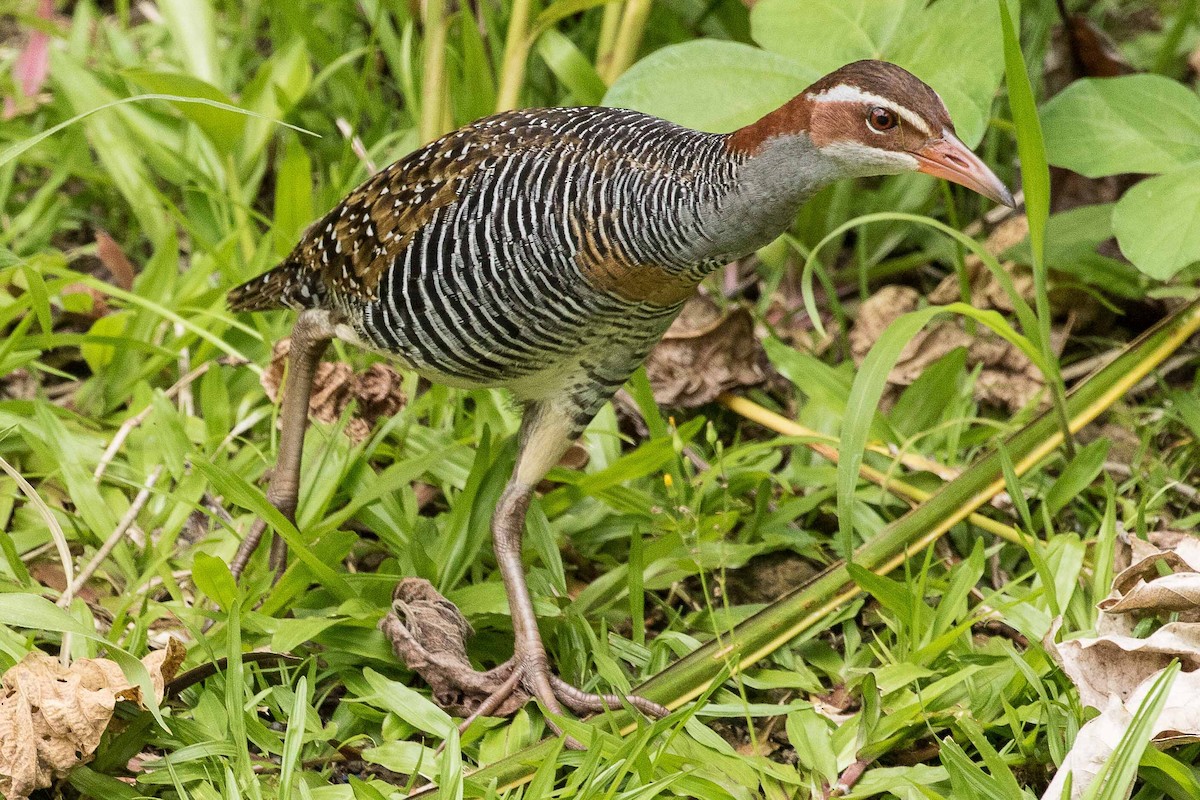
428,633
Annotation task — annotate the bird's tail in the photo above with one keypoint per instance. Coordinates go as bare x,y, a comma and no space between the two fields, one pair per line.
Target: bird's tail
288,285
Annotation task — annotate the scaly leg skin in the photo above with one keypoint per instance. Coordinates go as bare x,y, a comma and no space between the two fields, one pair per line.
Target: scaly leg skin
310,337
545,435
429,634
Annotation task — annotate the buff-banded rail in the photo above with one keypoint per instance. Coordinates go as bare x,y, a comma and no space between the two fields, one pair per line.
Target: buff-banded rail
546,251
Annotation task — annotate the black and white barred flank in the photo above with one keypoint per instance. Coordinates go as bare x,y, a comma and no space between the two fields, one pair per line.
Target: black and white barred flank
546,250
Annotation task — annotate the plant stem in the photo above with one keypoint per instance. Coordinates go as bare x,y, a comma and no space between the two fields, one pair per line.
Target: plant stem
433,76
823,445
516,54
610,23
629,39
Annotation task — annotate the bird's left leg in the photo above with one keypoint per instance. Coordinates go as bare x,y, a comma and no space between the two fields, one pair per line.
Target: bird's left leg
546,432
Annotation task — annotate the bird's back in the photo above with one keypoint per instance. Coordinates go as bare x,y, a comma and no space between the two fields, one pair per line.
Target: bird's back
514,245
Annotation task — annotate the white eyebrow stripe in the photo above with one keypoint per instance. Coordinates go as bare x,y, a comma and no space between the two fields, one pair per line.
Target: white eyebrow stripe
845,93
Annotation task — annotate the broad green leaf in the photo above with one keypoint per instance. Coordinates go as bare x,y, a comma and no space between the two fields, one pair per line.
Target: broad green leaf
1072,239
710,85
1115,779
823,35
213,578
1157,222
414,708
951,44
1136,123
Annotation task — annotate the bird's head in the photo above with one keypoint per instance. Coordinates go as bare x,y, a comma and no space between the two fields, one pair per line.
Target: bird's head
875,118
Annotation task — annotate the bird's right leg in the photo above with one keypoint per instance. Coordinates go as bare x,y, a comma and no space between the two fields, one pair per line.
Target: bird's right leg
546,433
310,337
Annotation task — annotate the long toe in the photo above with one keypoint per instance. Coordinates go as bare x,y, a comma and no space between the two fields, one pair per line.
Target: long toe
582,702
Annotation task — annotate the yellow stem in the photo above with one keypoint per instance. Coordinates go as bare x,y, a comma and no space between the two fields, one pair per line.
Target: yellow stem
433,77
516,54
819,443
610,24
629,39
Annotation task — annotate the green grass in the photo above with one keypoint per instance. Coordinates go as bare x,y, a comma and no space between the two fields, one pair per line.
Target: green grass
204,138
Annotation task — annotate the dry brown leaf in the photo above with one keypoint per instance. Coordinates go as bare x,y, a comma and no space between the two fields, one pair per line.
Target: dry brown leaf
97,301
1008,379
1179,723
114,259
1113,672
838,705
986,292
1113,666
1141,585
704,354
1177,592
52,717
428,633
377,392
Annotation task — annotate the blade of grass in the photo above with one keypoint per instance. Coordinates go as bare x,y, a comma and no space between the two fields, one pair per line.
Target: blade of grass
610,24
629,39
20,147
800,610
1035,181
871,380
1115,780
433,76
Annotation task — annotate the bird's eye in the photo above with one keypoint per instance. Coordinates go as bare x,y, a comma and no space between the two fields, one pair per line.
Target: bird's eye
881,119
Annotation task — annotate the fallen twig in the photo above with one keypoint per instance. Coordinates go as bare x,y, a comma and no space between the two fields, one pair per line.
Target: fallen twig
123,526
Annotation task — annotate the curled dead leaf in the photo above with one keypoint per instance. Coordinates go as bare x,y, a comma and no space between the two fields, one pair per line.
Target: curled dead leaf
1179,723
1113,666
1114,671
705,353
52,717
428,633
1159,576
376,392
